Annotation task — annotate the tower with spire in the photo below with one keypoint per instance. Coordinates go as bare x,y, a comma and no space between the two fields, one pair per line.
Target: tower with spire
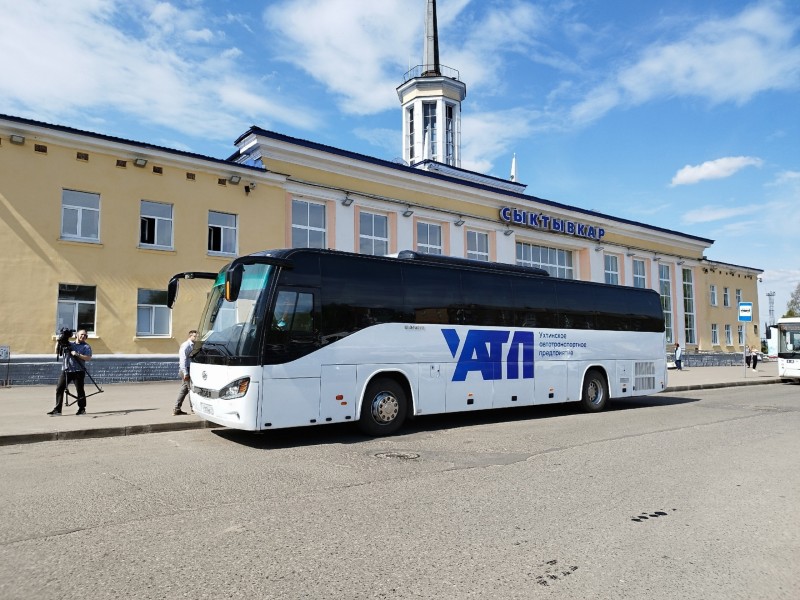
431,97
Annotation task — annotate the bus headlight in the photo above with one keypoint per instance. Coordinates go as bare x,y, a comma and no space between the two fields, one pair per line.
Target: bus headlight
234,390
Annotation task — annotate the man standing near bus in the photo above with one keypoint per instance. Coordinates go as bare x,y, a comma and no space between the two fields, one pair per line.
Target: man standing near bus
678,356
183,367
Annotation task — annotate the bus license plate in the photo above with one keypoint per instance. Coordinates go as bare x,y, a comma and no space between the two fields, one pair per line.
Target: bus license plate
206,408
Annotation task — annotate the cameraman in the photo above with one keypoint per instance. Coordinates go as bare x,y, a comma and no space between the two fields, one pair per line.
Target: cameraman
75,354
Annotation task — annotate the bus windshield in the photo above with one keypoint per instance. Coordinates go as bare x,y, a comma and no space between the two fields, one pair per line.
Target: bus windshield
232,330
789,340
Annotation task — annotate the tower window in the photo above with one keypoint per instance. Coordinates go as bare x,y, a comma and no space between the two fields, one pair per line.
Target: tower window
429,124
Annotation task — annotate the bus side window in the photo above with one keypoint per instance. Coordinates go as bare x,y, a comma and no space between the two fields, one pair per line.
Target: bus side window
294,312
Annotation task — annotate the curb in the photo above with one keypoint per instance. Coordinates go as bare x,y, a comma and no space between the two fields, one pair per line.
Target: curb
101,432
713,386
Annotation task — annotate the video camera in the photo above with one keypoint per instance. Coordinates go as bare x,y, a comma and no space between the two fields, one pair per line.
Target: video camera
62,341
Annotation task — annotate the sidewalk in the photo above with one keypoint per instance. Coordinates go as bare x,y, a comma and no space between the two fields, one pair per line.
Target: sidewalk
133,408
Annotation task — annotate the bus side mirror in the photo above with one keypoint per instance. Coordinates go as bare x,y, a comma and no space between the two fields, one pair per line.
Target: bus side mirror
233,283
172,291
769,332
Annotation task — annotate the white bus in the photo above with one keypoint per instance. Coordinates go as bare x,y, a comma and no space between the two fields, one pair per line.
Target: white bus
787,330
306,336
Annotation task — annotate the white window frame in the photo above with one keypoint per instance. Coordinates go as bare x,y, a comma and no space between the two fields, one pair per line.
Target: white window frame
477,245
410,132
556,261
227,233
714,335
370,240
75,307
728,335
429,129
639,276
611,264
426,247
302,229
726,296
689,321
738,296
665,289
740,334
450,133
75,201
713,292
150,312
162,225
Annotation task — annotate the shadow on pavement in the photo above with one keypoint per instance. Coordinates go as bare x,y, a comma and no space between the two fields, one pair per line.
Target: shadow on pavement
348,433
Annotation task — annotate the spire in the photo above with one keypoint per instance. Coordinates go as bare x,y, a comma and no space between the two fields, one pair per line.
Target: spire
430,54
514,168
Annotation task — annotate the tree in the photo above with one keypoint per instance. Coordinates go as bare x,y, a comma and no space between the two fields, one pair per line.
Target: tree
793,306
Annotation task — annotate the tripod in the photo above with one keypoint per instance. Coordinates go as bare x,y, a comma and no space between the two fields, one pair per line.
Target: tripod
63,353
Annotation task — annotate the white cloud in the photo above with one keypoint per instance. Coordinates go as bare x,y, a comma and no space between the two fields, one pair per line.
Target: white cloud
155,63
486,136
706,214
714,169
720,60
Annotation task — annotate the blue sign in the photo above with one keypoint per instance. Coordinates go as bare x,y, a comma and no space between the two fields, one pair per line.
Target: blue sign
483,352
745,311
537,220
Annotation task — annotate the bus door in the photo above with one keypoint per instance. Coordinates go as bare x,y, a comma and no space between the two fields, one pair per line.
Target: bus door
291,382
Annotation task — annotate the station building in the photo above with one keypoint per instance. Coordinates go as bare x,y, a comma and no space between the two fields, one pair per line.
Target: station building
93,226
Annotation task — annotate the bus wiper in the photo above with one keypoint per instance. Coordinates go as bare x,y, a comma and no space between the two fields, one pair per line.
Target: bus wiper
222,346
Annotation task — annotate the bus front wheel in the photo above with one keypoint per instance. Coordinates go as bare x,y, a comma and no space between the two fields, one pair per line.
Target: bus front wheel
384,408
595,392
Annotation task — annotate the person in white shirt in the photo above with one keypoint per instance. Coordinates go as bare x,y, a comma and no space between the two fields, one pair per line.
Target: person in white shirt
678,356
183,368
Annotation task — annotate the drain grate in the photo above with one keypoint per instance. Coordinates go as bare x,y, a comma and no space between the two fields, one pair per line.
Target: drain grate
400,455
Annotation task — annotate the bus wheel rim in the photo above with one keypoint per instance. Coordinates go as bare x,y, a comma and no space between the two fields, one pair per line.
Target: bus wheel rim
595,392
385,407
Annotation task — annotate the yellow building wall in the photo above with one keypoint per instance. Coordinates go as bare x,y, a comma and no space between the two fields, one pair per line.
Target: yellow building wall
35,260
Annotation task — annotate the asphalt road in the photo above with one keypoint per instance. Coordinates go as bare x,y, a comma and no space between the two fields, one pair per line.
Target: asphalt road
687,495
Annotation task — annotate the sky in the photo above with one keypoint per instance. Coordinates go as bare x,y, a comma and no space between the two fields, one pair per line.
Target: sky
677,113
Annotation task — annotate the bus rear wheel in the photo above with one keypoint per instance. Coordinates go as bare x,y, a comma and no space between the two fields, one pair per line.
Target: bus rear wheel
384,408
595,391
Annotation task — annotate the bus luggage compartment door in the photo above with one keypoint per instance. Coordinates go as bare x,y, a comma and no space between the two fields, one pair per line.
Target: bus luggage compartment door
338,401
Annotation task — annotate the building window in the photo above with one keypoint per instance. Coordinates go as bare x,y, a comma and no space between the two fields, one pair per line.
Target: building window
665,287
308,224
639,278
713,295
714,334
555,261
410,115
612,269
76,307
450,135
688,306
155,225
373,234
726,297
478,245
728,335
152,314
429,238
80,216
740,334
221,232
429,128
738,296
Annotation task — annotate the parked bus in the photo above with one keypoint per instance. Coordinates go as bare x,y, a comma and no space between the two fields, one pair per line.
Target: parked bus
307,336
787,331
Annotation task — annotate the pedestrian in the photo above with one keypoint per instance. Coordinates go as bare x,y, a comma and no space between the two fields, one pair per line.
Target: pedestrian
183,368
747,356
75,354
678,356
754,358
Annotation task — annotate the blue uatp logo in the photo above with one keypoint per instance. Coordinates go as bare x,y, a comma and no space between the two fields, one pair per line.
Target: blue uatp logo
484,350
